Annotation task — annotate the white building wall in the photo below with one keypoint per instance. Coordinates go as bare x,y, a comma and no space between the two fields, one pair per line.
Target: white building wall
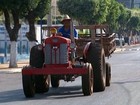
22,40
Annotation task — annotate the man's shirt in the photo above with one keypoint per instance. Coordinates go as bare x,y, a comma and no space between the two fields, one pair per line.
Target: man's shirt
66,33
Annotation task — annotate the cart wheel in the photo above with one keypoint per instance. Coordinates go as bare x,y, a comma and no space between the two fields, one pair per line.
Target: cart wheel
87,81
96,56
42,83
28,85
108,74
55,81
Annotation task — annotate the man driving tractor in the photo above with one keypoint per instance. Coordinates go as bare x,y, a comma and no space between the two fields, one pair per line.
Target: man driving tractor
65,29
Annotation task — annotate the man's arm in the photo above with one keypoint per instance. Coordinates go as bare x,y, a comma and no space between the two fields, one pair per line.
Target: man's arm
75,34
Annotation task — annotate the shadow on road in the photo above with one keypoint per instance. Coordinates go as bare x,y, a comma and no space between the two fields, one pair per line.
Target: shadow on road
65,92
54,93
124,82
11,96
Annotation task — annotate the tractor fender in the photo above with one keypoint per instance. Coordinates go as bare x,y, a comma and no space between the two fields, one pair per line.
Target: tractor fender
86,49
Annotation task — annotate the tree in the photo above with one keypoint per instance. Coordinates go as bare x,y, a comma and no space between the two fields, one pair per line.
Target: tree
93,11
13,8
31,9
81,10
35,9
133,23
113,15
135,13
101,15
123,20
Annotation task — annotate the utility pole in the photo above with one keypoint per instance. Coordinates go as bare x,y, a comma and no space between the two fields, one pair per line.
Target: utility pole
49,20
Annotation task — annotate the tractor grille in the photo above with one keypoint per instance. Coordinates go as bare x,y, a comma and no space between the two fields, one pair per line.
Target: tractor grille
56,55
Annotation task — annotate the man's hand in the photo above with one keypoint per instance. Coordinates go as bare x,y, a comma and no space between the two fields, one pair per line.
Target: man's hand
59,34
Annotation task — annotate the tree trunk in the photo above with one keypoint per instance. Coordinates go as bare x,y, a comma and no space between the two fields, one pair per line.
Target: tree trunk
13,34
31,35
13,55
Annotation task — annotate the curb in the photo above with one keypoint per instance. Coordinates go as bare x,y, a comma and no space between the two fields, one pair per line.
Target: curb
5,67
119,50
14,70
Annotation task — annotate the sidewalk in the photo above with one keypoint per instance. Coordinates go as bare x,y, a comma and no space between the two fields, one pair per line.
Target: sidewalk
21,64
118,48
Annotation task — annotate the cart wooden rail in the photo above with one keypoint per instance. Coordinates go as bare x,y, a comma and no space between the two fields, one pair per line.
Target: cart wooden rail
97,34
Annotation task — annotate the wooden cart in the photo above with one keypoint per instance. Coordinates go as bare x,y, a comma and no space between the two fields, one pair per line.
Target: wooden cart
97,34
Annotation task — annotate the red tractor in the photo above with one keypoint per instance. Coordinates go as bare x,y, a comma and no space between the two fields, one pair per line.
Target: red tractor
59,59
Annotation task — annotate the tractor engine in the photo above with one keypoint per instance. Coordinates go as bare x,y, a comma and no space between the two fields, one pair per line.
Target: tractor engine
57,50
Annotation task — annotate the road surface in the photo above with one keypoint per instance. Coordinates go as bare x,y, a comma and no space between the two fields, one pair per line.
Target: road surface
124,89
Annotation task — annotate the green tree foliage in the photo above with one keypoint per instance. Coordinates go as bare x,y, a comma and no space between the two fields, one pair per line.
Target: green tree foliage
101,15
39,8
135,14
85,11
92,11
113,15
123,20
0,12
134,23
13,8
33,10
81,10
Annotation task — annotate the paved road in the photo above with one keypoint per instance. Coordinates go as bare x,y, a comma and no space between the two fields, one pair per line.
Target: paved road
124,89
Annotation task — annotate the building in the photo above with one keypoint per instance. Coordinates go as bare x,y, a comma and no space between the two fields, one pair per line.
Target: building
130,3
137,4
126,3
22,41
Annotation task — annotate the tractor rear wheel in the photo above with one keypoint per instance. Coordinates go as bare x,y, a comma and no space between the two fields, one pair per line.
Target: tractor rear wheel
96,56
55,82
42,82
28,85
108,74
87,81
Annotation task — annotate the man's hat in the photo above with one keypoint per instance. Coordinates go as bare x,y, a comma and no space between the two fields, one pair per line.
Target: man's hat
66,18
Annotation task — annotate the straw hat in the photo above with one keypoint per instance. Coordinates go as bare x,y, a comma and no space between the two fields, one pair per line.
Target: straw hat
66,18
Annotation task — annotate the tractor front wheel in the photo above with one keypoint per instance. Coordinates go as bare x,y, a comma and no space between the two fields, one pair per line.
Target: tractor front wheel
55,81
28,85
42,83
87,81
